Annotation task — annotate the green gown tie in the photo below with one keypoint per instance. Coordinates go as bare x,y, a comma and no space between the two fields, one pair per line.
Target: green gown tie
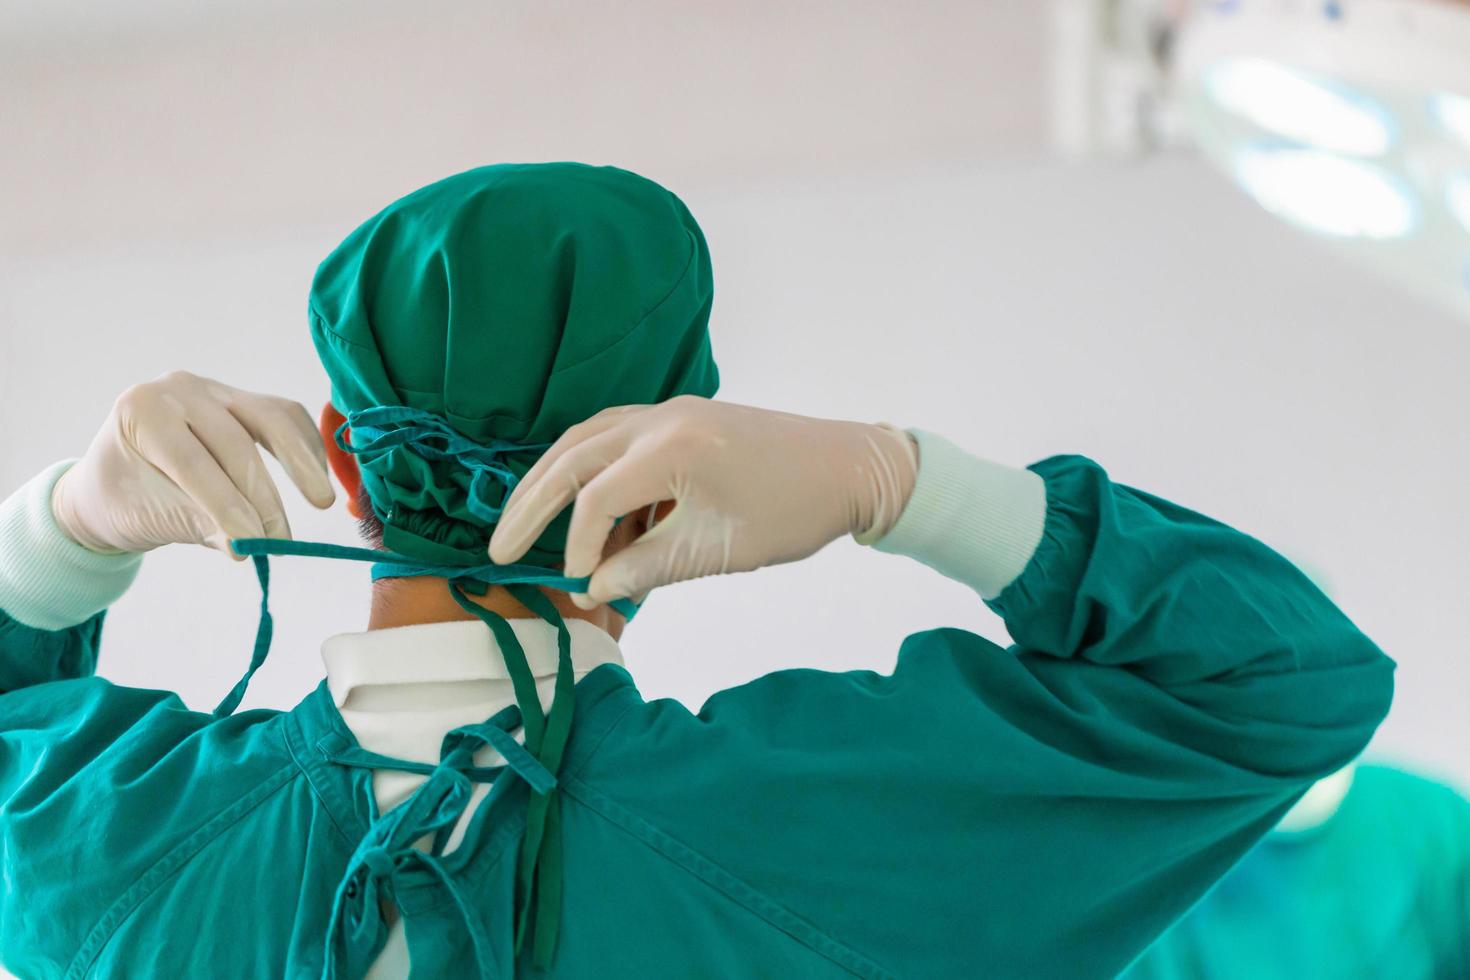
539,869
401,429
387,856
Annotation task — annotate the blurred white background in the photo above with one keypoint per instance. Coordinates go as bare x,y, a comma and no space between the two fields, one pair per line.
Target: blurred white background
892,240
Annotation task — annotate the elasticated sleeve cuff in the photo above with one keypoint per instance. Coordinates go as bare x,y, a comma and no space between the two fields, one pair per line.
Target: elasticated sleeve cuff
47,580
970,519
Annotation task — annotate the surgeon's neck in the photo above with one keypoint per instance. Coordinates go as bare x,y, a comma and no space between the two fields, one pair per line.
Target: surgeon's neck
415,601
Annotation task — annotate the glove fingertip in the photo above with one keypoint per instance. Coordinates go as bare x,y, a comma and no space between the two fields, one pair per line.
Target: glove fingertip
499,553
578,564
604,587
504,549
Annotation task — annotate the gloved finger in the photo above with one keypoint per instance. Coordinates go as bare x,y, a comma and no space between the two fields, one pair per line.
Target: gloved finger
525,518
570,439
632,482
180,456
660,557
234,449
172,517
201,527
287,432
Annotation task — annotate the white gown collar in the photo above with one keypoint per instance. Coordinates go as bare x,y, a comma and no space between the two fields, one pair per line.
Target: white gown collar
463,651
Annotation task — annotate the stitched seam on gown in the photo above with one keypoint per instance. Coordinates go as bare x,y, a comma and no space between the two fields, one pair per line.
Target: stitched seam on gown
478,868
716,877
573,772
327,799
165,866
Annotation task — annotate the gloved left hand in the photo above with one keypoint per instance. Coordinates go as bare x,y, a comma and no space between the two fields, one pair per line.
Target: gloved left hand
176,461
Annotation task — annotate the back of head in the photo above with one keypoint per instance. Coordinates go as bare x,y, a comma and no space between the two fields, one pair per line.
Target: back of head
468,325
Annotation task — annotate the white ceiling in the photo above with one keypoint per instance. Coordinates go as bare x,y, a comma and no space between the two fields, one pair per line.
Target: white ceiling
33,24
161,118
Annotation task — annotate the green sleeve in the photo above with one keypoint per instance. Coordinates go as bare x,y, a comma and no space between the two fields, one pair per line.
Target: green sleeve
84,768
1039,811
83,763
103,790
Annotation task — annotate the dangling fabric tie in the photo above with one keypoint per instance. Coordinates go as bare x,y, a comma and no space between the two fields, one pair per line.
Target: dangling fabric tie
387,855
474,579
445,794
263,633
539,871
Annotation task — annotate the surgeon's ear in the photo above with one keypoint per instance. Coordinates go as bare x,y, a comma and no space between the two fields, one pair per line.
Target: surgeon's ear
657,513
634,526
641,521
343,464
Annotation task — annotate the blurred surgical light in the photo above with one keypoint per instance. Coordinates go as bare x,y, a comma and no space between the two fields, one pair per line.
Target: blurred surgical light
1457,194
1325,193
1453,114
1290,104
1347,118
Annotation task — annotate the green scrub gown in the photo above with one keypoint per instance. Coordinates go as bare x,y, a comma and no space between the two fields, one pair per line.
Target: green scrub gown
1039,811
1382,889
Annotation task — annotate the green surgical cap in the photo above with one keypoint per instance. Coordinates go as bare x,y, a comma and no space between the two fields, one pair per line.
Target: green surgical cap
512,302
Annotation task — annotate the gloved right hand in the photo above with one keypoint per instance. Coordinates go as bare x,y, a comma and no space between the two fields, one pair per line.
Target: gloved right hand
750,488
176,462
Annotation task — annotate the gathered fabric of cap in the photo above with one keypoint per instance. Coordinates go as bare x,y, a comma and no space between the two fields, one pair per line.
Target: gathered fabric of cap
512,301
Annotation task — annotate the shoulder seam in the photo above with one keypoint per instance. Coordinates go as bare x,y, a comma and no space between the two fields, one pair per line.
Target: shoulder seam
176,858
329,807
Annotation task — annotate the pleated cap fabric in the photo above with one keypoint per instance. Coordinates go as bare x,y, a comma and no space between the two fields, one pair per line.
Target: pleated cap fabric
513,301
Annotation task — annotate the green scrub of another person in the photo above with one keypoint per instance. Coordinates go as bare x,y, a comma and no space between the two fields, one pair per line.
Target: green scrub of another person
1042,810
1378,888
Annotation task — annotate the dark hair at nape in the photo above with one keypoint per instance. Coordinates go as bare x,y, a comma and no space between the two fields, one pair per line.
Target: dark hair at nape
368,525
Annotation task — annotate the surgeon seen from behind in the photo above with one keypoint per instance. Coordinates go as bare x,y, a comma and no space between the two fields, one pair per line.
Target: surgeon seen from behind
522,416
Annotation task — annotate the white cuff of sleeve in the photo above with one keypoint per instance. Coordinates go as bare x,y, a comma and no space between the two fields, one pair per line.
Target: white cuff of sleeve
47,580
969,519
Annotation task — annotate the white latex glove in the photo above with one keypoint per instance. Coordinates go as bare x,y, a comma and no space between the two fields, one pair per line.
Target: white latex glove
176,462
751,488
